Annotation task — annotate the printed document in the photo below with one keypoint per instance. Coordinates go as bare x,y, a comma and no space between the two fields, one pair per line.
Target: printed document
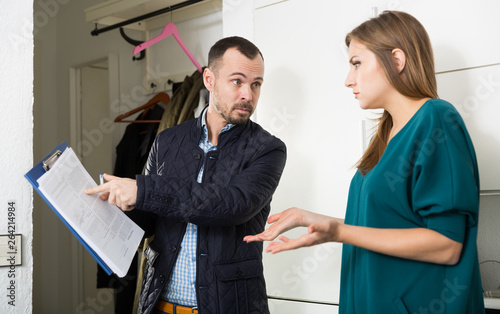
104,227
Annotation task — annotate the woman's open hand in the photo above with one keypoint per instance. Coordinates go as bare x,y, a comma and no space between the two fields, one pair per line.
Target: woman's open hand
321,229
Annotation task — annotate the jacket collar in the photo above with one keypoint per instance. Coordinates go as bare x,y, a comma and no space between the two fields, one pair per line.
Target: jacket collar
224,137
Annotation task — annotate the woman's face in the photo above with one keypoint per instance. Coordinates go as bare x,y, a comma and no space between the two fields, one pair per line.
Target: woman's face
367,78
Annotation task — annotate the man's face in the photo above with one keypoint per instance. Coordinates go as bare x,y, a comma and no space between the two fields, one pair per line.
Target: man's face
235,86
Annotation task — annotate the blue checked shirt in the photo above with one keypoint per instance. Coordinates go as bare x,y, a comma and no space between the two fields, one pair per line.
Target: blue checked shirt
181,288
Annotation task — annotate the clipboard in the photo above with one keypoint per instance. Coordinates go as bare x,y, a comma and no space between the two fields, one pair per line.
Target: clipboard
39,170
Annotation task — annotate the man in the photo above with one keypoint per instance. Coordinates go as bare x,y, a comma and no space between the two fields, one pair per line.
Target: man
209,182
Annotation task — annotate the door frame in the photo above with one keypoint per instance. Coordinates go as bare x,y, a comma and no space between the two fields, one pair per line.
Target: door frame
75,138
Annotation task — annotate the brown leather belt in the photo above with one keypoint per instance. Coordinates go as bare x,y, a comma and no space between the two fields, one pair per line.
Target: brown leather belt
169,308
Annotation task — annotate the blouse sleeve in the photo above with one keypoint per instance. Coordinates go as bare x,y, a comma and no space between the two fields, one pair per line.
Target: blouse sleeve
445,184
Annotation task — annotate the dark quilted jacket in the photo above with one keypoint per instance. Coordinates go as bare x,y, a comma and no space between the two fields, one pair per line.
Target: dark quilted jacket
232,201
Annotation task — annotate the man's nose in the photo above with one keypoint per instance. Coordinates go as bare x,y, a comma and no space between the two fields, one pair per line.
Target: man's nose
246,92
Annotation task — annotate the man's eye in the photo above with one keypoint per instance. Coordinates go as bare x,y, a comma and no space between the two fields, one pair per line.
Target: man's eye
256,85
236,82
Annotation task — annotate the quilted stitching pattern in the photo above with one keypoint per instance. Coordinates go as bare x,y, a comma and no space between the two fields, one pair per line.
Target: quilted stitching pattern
232,201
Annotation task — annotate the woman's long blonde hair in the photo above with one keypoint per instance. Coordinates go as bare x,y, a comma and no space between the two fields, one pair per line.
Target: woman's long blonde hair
381,35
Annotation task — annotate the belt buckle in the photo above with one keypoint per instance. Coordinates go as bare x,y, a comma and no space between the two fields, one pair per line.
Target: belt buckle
194,309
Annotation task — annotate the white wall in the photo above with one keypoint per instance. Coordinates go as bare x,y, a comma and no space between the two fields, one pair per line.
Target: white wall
16,139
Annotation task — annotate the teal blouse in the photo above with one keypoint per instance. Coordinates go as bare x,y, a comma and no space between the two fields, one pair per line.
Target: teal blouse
426,178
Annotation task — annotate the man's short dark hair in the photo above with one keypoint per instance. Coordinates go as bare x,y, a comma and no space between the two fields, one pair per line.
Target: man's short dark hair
246,47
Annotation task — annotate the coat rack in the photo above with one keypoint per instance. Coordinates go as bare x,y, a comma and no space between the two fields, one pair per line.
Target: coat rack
98,31
117,14
133,42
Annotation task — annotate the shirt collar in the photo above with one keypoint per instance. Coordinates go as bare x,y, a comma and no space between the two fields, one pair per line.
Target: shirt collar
204,124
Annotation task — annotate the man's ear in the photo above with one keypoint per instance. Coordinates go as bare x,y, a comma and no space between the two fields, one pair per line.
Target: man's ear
399,58
209,79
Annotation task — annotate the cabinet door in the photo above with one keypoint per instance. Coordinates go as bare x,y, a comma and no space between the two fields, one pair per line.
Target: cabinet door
463,33
476,95
305,103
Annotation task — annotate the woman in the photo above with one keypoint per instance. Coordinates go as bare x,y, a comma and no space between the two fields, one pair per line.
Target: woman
410,229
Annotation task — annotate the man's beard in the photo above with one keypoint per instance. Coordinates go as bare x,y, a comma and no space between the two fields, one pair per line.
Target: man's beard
235,119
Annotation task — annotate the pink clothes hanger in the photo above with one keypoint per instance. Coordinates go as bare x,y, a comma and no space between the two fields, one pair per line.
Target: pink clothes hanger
169,29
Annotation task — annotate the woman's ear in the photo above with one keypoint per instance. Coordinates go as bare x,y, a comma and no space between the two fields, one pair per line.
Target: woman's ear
399,58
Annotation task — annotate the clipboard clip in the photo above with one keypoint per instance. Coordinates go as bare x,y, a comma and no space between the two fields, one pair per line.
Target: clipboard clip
49,162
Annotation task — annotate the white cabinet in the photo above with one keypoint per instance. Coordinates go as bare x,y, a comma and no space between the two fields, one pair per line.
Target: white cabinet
304,102
476,95
463,33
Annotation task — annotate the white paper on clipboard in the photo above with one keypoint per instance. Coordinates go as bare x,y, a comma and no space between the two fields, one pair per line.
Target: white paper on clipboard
112,235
